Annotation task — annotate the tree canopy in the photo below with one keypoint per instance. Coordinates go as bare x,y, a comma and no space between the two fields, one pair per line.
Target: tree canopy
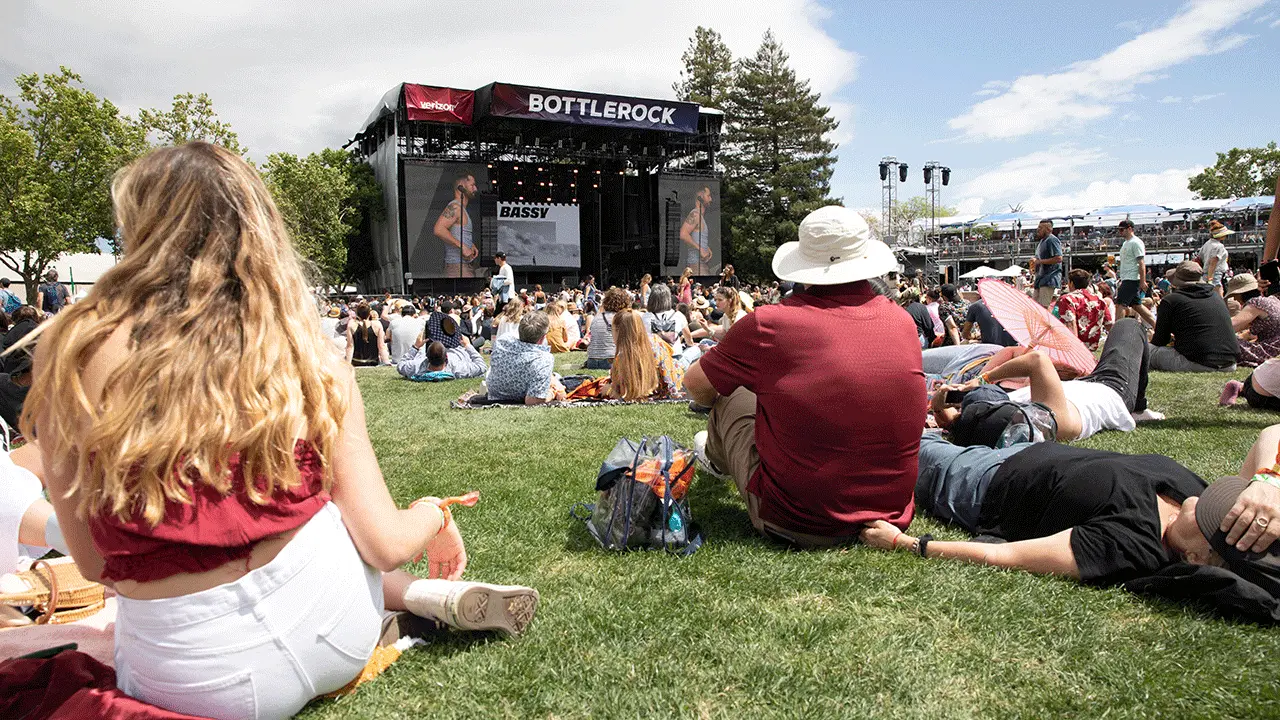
60,145
191,118
1239,172
777,156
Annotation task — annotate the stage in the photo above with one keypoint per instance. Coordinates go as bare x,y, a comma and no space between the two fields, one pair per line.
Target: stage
566,183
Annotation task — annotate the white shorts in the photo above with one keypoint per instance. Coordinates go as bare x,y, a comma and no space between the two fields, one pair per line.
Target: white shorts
263,646
19,488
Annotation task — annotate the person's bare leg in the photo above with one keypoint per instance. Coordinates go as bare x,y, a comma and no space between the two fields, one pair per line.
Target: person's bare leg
1263,453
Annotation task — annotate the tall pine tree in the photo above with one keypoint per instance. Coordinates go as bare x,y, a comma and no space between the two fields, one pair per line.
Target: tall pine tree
708,70
777,157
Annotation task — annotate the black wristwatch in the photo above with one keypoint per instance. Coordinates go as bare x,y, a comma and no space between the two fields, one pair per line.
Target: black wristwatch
922,544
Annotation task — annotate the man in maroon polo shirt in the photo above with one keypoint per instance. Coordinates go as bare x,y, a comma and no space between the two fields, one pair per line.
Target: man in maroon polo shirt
818,403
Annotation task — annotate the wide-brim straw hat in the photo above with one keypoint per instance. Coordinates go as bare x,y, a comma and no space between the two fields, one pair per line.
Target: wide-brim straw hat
835,247
1242,283
1217,230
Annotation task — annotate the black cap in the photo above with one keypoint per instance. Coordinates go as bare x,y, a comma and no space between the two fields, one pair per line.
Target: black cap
500,254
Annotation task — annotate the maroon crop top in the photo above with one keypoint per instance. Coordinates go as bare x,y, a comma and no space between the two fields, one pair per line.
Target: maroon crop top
213,530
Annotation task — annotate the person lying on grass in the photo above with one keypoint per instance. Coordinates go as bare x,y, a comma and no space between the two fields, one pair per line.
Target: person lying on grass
460,362
1112,397
206,454
1099,517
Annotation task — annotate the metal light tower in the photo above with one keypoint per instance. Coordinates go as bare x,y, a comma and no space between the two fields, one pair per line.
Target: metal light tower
935,175
891,173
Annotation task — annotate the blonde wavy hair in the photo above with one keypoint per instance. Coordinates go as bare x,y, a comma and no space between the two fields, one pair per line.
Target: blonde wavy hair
225,355
634,375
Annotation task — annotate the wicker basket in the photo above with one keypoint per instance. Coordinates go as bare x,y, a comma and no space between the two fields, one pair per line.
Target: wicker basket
59,592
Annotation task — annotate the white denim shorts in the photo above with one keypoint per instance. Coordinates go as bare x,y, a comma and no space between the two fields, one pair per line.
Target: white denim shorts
263,646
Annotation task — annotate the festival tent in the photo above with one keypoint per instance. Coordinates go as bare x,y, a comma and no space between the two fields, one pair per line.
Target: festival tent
1260,202
1198,206
982,271
1012,271
1139,214
1005,221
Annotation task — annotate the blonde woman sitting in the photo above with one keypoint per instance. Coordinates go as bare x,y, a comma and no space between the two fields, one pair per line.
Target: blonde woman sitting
206,454
644,367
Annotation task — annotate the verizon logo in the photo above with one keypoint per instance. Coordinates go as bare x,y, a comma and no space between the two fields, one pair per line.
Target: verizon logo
437,105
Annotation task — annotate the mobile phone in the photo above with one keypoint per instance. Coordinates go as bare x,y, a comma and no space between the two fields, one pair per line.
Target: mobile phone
955,397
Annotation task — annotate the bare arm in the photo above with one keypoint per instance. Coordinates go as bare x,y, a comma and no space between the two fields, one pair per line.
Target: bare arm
1273,230
351,344
383,353
1046,388
1245,318
966,331
686,229
952,333
699,387
1142,272
447,219
1050,555
1213,265
385,535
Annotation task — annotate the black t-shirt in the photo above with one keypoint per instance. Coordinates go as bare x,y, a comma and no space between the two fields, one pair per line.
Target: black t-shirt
1108,498
924,321
992,331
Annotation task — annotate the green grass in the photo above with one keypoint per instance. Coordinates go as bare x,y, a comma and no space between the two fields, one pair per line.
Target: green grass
745,628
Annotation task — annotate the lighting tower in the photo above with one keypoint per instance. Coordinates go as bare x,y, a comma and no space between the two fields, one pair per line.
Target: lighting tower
934,176
891,173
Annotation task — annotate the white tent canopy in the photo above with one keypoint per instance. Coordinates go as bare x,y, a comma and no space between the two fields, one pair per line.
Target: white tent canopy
981,271
1012,271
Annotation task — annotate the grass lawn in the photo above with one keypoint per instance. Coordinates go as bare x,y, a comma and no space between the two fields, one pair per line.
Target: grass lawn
745,628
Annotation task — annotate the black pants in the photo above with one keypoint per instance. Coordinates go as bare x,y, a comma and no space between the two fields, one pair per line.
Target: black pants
1123,365
1257,400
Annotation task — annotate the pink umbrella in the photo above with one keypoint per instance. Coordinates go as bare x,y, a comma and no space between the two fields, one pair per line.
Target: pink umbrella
1035,327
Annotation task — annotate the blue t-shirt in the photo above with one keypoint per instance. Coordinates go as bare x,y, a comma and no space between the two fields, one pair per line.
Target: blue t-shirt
1049,275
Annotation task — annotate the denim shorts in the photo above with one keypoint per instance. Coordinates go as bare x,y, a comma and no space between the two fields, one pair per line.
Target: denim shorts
263,646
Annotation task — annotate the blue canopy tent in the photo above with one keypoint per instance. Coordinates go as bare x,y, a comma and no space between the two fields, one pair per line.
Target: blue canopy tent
1260,202
1139,214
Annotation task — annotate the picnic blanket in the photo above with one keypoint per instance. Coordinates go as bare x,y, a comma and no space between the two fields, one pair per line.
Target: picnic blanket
478,401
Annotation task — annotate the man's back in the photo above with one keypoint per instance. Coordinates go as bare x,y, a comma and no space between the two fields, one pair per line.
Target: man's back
404,333
1200,326
992,331
840,406
518,370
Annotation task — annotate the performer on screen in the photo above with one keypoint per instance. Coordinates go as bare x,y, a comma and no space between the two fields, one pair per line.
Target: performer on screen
455,229
696,234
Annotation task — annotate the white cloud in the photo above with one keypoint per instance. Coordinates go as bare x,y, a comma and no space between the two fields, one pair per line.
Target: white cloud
1202,98
1171,99
296,76
1090,89
1034,173
1275,24
1168,186
1065,177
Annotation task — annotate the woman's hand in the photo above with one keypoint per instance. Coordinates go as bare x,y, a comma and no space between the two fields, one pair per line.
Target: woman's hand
1258,502
446,555
883,536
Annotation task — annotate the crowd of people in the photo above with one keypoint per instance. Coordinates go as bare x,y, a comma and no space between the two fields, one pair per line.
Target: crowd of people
205,455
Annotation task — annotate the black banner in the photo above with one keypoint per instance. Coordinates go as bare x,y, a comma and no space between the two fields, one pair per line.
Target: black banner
583,108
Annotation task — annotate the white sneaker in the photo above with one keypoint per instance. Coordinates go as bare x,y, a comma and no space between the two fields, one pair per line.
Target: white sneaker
700,449
473,606
1147,415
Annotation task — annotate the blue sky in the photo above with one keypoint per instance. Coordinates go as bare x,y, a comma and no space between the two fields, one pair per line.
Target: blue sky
1048,104
924,65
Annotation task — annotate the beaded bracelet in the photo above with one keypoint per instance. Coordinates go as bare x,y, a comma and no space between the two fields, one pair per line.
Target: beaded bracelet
1267,479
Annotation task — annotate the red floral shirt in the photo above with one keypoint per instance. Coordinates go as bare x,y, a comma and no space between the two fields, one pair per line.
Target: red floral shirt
1089,312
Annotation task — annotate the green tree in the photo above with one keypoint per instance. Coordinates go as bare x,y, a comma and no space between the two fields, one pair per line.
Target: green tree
1239,172
777,156
191,118
325,199
708,70
59,147
906,212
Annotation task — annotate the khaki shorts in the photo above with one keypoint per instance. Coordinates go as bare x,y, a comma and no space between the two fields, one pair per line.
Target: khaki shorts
731,446
1044,295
